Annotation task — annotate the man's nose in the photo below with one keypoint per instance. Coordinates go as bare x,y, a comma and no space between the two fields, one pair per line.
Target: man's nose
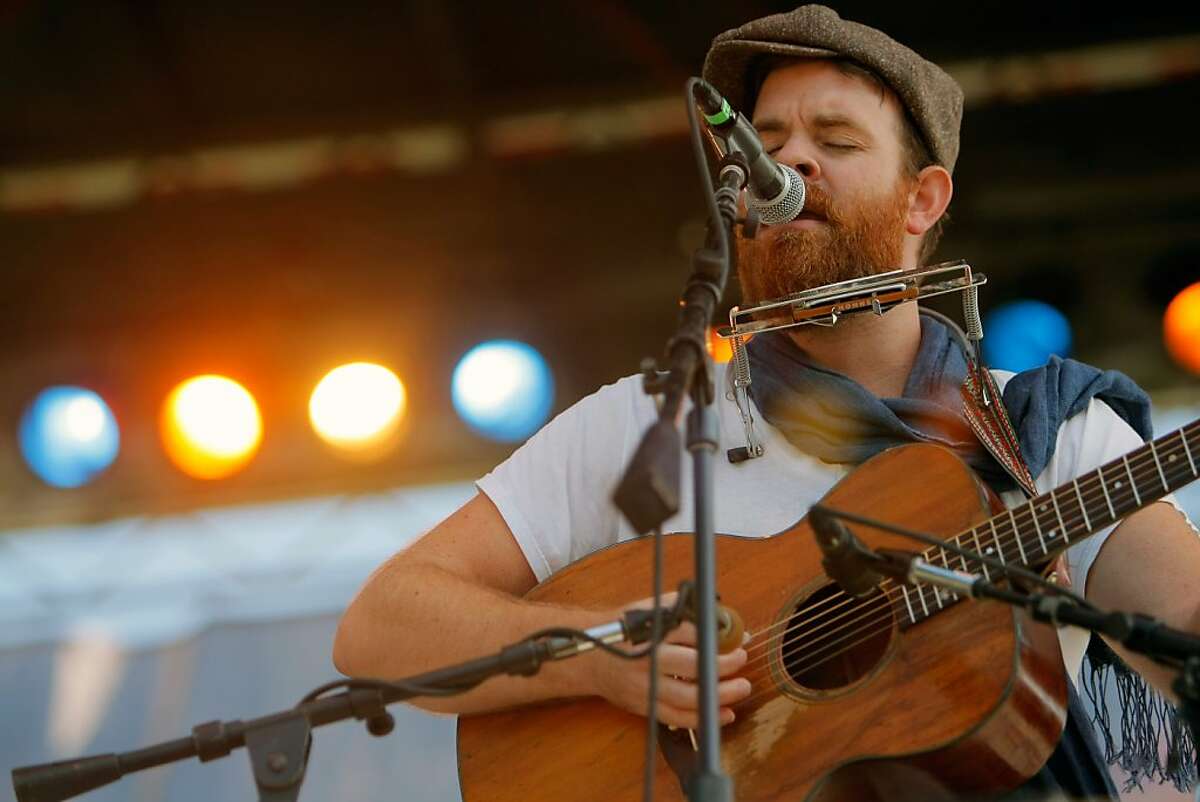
802,156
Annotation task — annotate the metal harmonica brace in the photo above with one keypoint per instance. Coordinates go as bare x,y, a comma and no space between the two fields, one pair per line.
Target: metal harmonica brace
826,305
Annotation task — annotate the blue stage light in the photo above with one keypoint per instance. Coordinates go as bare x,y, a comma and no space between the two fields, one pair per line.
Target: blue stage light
68,435
503,389
1023,334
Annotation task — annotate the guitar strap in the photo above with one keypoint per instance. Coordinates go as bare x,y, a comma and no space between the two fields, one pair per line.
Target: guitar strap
985,413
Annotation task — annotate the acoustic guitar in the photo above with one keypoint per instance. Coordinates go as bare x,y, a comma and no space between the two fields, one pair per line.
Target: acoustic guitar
851,698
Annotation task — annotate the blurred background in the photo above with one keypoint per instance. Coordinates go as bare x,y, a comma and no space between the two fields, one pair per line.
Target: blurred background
206,208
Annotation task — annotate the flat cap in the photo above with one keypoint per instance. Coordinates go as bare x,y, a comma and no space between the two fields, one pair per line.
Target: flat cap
934,100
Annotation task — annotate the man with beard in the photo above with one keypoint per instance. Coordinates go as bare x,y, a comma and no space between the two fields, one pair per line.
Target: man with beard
873,129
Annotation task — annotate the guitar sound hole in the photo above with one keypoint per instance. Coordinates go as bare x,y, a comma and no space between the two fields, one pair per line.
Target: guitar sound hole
834,639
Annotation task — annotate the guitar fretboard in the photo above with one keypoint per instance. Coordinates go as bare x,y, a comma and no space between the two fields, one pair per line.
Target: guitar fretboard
1032,533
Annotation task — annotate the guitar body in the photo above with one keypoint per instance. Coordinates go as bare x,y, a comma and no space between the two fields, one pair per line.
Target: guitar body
970,700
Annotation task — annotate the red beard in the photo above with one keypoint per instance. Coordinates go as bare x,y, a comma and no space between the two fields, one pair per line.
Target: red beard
853,242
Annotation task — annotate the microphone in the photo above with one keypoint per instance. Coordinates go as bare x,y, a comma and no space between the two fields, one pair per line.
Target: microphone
776,190
847,561
910,567
858,569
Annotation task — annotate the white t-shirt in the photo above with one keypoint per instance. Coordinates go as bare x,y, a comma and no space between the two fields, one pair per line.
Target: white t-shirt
555,491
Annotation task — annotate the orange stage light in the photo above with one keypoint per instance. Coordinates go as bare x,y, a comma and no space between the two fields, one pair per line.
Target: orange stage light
1181,328
210,426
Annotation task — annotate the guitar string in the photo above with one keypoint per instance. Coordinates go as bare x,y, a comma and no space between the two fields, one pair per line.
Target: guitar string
887,619
872,616
801,632
1026,512
766,686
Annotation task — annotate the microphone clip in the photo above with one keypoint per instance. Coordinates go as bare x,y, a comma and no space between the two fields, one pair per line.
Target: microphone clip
849,563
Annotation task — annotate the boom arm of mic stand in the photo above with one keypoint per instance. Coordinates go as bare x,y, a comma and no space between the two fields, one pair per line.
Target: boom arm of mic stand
1138,633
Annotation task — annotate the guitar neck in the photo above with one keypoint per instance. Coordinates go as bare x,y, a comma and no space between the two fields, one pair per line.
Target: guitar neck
1032,533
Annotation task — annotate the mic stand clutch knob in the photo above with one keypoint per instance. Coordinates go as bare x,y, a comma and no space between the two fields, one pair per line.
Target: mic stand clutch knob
731,629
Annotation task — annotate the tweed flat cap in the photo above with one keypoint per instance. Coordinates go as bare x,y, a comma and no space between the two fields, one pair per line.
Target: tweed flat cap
933,99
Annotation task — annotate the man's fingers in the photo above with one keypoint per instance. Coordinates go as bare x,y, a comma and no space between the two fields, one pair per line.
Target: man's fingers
688,719
677,661
674,717
682,661
677,693
732,662
686,695
732,691
685,634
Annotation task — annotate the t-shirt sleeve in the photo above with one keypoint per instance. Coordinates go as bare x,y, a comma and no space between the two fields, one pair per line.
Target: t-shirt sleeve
555,491
1093,437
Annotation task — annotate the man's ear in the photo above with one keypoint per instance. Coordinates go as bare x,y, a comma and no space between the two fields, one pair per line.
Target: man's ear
929,199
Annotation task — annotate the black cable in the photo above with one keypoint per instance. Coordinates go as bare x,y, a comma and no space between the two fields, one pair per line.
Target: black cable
385,685
710,194
575,634
451,690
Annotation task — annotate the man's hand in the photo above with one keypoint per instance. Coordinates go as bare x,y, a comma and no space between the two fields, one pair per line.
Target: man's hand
626,683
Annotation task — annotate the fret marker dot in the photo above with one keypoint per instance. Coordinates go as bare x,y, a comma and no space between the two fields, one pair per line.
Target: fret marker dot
1117,483
1172,458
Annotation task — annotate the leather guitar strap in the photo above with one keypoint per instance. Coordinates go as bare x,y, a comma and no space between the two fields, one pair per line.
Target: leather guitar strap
987,417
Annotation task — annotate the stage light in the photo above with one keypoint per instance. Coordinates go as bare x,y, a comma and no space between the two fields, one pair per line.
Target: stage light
357,408
1181,328
68,435
1023,334
211,427
503,389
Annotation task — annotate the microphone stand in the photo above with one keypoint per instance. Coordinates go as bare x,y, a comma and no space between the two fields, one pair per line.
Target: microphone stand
648,493
279,743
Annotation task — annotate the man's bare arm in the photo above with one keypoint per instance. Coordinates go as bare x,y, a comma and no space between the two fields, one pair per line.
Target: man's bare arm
1150,564
454,595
